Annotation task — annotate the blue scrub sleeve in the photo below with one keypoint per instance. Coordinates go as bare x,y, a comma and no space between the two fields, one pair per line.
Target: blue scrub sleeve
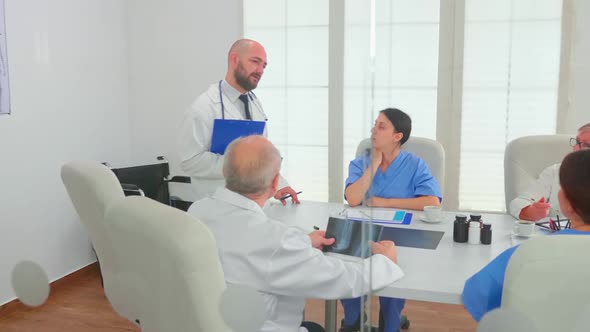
356,168
424,183
483,291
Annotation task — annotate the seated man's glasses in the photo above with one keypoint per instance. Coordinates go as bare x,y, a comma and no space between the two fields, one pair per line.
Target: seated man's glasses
574,142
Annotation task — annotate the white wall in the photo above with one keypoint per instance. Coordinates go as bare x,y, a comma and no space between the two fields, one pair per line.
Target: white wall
68,75
580,67
106,80
176,49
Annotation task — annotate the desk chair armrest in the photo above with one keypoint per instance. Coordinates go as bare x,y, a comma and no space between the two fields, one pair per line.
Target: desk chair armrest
132,190
180,179
180,204
176,201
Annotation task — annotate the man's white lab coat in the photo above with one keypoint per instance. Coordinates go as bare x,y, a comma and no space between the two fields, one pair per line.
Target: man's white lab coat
280,262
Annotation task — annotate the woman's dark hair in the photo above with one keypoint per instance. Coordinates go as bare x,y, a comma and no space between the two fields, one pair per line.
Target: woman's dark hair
574,178
400,120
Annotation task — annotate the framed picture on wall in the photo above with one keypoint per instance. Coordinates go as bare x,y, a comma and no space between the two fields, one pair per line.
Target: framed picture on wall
4,82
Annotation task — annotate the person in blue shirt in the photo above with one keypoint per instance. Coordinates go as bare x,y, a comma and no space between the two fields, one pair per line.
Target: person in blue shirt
388,177
483,291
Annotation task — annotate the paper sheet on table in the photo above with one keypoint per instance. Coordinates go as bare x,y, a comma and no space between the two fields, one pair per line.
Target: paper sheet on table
380,216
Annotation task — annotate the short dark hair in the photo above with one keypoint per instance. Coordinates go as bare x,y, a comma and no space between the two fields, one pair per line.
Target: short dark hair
574,178
400,120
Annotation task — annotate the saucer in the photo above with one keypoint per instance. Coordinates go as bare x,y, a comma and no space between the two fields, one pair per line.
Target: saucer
521,235
430,221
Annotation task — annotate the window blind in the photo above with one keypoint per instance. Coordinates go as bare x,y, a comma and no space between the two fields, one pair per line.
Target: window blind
510,82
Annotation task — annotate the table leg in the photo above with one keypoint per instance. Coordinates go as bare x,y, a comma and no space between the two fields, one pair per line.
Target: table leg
331,311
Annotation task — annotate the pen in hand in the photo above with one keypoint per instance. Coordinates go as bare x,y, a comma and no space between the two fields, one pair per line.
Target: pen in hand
289,195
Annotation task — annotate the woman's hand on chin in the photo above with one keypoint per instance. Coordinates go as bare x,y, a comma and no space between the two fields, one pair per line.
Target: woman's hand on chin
376,158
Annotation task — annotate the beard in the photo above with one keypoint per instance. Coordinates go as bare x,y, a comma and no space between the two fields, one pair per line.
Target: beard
242,78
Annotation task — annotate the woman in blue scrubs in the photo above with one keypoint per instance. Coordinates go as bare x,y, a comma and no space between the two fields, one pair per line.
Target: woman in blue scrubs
483,291
388,177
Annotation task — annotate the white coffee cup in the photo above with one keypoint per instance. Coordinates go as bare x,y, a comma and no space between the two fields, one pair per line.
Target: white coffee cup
524,227
432,213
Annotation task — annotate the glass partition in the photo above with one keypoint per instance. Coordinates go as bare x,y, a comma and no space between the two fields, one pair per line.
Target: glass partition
389,52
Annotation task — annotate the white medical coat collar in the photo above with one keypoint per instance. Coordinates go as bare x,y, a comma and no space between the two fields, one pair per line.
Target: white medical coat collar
232,93
233,198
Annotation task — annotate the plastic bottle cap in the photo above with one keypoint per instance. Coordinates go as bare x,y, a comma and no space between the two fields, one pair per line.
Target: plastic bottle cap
475,217
460,217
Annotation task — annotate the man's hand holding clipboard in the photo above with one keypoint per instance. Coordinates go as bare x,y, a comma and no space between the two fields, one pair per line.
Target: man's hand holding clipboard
226,131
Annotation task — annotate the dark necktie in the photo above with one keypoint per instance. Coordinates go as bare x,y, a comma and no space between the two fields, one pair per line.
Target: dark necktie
244,99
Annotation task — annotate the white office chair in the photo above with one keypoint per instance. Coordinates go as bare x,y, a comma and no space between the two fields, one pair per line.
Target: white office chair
92,187
169,261
431,151
526,157
547,280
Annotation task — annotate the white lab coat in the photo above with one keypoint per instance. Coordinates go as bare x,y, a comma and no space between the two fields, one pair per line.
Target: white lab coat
194,137
279,261
547,185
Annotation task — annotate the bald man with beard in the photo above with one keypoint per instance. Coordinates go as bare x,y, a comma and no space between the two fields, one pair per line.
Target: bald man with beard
229,99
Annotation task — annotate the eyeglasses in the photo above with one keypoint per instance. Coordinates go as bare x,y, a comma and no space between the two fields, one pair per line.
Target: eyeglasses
574,142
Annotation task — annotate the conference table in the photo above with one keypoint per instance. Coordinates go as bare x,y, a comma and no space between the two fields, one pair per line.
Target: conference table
430,275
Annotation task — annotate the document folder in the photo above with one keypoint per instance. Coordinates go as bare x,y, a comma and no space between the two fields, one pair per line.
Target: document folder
225,131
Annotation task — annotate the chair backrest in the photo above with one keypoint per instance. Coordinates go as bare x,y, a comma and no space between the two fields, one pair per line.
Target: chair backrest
151,179
526,157
547,280
429,150
92,188
169,261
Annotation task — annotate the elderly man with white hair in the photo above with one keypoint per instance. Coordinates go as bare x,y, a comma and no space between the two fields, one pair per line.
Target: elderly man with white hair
540,200
285,264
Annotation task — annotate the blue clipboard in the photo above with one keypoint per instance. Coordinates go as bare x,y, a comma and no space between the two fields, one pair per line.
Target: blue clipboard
225,131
